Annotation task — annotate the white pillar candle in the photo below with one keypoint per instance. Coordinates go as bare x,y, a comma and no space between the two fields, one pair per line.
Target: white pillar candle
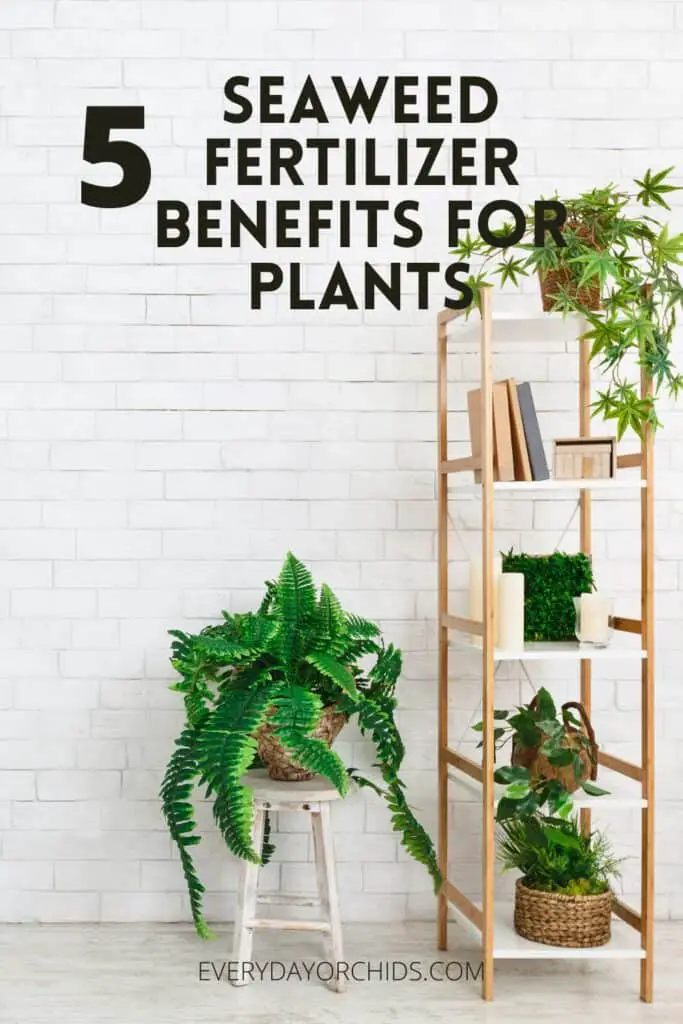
511,611
476,605
594,611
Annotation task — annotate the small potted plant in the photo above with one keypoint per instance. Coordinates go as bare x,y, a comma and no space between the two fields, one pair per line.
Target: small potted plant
553,754
275,686
563,897
618,267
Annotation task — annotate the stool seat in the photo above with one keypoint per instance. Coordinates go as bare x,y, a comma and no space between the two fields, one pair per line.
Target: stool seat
313,797
272,791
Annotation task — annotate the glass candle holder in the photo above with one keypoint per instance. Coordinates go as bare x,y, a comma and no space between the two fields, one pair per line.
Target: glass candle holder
593,615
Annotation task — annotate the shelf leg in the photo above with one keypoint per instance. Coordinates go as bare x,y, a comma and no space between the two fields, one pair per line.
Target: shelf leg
442,426
647,703
489,615
585,525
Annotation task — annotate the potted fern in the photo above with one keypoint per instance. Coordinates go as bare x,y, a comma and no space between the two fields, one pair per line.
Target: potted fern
617,266
275,686
563,897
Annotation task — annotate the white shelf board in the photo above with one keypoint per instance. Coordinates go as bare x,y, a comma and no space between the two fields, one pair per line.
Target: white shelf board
558,651
470,789
530,326
625,483
508,945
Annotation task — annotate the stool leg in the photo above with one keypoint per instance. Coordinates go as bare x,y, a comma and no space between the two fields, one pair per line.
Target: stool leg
327,887
246,904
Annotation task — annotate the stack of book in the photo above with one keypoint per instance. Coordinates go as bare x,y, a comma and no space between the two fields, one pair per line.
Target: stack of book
518,447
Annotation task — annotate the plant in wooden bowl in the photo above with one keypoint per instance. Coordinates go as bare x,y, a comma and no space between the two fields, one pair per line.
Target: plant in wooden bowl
616,265
563,897
274,686
553,754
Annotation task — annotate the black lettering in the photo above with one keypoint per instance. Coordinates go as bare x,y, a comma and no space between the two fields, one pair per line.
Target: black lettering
316,222
423,270
338,291
213,160
205,224
372,207
167,223
424,176
309,105
265,277
461,160
466,295
404,221
494,238
403,99
284,223
436,99
239,220
374,282
502,162
296,302
553,223
322,147
467,84
270,99
242,102
455,221
245,160
360,98
286,155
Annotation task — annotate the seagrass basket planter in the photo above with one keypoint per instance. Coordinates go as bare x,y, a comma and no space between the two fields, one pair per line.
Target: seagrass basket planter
555,282
279,762
563,278
578,922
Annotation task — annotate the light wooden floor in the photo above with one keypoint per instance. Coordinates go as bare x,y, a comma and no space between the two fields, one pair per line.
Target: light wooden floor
144,974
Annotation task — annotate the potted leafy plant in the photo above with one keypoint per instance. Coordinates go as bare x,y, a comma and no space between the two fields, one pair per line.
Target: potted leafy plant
618,267
563,897
276,685
553,754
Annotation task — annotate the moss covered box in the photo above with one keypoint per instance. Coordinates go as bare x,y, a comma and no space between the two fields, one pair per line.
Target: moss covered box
551,582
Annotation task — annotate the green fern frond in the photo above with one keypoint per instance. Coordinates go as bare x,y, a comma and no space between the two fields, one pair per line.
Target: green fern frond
176,790
296,602
414,838
333,670
376,717
315,756
330,624
226,750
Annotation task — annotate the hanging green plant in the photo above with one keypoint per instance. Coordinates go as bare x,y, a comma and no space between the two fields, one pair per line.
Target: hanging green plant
282,667
618,268
551,582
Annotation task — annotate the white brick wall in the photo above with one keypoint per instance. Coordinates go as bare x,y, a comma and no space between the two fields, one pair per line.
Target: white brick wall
162,445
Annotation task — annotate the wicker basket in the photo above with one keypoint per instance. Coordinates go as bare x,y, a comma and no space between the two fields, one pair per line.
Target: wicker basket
557,920
539,765
563,278
278,761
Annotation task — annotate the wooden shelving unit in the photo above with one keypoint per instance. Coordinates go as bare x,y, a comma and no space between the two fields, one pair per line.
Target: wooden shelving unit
633,933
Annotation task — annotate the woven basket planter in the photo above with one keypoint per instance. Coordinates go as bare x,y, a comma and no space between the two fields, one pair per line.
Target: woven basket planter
563,278
579,922
278,760
555,281
541,768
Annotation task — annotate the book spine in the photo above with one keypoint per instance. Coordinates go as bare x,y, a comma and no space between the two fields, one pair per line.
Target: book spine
532,433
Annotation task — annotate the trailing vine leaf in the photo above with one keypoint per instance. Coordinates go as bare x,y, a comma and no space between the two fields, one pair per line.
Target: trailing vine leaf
633,258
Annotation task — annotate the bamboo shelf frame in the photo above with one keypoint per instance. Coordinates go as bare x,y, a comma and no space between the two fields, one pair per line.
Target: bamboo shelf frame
487,919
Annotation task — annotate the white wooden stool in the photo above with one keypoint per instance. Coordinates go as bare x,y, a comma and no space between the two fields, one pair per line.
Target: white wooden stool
313,797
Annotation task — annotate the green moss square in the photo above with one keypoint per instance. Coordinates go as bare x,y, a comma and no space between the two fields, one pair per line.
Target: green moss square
551,582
